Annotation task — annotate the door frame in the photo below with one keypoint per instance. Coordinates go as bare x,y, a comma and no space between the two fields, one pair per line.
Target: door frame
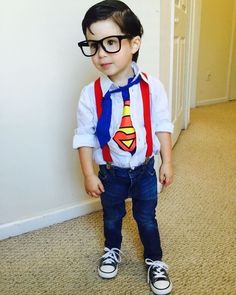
167,17
194,39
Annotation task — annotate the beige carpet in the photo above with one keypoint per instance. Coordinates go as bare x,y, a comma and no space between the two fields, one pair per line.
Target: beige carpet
197,223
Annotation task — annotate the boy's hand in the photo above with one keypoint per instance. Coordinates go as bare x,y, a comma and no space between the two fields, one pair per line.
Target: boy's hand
93,185
166,174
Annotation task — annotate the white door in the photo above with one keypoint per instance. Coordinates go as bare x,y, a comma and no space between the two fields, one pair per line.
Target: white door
179,94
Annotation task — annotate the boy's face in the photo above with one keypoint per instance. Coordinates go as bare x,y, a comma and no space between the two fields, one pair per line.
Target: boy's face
117,66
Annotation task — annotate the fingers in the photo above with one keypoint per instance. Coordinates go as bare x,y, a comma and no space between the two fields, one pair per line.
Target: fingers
93,194
101,187
165,180
96,192
166,174
162,179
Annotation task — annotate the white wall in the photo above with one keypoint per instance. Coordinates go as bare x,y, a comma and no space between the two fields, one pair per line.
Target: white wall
214,51
41,74
232,86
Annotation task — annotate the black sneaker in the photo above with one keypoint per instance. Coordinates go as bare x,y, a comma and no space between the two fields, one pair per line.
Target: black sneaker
108,266
158,277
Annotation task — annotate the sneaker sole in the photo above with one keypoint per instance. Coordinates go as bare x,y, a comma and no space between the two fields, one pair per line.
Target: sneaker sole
108,275
162,292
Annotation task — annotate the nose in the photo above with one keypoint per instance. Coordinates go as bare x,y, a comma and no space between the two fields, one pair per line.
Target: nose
101,52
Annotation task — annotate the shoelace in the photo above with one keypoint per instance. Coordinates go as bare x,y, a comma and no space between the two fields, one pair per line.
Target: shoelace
158,268
112,255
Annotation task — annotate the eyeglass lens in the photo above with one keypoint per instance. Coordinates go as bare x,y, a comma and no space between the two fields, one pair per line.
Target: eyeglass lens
109,44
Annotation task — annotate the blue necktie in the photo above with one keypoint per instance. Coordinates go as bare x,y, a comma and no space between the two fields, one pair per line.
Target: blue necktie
103,125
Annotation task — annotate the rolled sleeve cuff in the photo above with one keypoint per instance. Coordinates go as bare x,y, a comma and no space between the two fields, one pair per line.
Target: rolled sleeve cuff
165,127
80,140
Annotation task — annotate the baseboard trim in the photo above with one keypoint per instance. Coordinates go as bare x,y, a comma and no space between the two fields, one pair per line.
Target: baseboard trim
211,101
50,218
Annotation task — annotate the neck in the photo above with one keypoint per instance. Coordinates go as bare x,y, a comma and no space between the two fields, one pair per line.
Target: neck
122,79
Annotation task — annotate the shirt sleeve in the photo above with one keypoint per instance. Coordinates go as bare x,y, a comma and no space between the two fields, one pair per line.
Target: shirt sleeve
84,134
160,109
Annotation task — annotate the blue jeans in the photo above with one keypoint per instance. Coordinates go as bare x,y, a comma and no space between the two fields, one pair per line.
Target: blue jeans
141,185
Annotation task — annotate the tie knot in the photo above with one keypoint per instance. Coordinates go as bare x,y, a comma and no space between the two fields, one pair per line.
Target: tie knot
125,89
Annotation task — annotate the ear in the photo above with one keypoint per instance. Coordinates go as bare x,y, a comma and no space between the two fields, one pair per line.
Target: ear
135,44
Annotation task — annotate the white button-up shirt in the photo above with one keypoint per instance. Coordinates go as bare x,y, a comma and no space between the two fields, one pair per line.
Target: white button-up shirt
87,120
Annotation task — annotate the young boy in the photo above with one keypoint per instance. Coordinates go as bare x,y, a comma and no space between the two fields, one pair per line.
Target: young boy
123,120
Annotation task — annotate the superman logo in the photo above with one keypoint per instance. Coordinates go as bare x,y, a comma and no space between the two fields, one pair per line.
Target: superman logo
125,136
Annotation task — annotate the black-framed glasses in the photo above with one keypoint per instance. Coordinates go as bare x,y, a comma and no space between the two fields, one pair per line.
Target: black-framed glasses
110,44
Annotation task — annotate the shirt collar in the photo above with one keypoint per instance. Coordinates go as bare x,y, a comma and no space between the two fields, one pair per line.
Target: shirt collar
107,84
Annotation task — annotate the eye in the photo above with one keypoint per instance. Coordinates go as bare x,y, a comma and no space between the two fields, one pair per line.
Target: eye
92,45
111,41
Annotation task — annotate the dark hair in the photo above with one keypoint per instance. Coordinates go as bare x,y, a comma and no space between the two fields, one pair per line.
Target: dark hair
118,12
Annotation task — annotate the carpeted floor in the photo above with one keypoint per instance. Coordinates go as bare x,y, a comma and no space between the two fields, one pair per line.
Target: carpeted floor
196,217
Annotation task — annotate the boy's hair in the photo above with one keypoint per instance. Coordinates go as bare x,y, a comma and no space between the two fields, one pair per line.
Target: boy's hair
118,12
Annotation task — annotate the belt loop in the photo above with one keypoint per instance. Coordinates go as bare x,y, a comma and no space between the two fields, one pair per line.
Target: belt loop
146,160
108,165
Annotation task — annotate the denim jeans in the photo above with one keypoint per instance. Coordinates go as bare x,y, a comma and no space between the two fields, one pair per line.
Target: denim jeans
141,185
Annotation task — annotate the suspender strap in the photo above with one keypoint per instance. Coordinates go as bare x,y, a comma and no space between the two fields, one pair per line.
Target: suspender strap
147,115
98,96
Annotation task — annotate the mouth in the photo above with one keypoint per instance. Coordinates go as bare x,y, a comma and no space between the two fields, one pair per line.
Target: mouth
105,65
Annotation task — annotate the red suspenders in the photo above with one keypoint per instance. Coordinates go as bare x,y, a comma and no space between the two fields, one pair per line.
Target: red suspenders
146,113
98,96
